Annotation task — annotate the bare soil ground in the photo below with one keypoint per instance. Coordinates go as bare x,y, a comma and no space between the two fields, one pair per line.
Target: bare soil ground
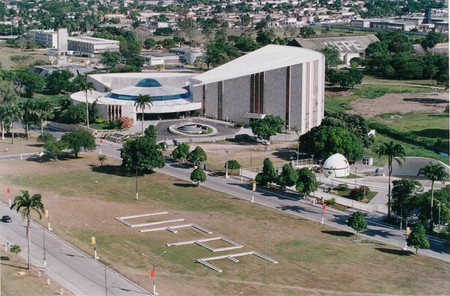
401,103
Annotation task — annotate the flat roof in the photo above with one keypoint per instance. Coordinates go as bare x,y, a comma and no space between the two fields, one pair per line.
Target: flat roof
264,59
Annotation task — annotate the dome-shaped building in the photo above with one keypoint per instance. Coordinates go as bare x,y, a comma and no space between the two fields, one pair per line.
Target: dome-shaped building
336,166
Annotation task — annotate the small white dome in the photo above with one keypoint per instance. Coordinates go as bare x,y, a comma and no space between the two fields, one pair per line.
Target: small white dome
336,166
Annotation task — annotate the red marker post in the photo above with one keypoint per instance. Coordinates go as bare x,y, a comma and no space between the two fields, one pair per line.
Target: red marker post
8,192
324,209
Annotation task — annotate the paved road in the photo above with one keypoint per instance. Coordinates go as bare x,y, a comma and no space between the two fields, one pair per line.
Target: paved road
73,269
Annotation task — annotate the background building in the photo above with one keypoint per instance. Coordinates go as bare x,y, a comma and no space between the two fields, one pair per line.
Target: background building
279,80
90,46
349,47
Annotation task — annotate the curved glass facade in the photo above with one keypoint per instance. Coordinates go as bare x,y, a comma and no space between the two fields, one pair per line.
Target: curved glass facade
186,96
148,83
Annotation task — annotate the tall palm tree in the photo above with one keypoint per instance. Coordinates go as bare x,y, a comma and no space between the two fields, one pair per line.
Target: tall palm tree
433,172
11,113
140,103
85,85
28,114
392,151
25,204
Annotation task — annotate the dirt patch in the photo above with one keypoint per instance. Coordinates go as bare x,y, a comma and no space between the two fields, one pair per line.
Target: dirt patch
401,103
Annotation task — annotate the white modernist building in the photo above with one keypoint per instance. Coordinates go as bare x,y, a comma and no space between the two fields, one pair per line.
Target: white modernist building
90,46
115,94
45,37
279,80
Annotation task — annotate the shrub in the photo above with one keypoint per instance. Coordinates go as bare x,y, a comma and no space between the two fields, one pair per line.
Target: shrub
16,249
341,187
115,124
331,202
356,194
239,124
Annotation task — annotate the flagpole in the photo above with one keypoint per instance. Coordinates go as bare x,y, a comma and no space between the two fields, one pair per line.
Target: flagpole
324,209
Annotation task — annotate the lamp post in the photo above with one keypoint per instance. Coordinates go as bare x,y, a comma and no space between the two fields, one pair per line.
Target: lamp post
137,193
405,247
152,271
94,241
47,214
226,163
43,245
439,216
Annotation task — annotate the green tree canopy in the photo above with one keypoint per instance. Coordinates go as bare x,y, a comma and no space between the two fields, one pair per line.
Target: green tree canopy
307,32
306,182
58,81
141,155
288,176
332,57
181,151
268,175
418,238
324,141
404,195
110,58
198,176
79,139
197,155
358,222
269,126
356,124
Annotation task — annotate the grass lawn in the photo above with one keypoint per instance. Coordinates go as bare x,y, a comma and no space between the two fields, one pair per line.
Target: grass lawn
313,258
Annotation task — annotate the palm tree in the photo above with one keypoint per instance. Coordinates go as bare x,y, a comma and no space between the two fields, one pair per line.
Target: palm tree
140,103
392,151
11,113
85,85
28,111
25,204
433,172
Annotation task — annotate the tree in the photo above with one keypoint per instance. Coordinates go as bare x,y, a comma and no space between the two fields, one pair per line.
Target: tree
433,172
358,222
10,113
181,151
149,43
21,61
324,141
307,32
418,239
268,175
25,204
267,127
233,164
220,52
31,82
356,124
110,58
332,57
288,176
102,158
403,195
431,40
265,37
141,154
391,151
79,139
15,249
306,182
28,114
85,86
58,81
140,103
197,155
43,109
7,92
198,175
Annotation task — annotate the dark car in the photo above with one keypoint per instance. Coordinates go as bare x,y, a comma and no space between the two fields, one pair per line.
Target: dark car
6,219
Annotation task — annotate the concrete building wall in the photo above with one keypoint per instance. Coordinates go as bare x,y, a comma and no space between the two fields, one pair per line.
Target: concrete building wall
275,92
411,166
211,95
296,116
236,99
62,40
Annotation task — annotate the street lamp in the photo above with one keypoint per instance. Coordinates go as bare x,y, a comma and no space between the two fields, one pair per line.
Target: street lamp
439,216
226,163
94,241
137,193
47,214
43,245
152,271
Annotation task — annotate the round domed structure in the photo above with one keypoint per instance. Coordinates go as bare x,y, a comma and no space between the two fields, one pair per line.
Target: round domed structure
336,166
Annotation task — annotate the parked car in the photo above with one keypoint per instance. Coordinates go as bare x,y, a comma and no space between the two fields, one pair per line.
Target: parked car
6,219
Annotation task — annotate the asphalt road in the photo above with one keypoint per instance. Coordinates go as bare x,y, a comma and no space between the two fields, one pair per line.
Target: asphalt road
72,268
